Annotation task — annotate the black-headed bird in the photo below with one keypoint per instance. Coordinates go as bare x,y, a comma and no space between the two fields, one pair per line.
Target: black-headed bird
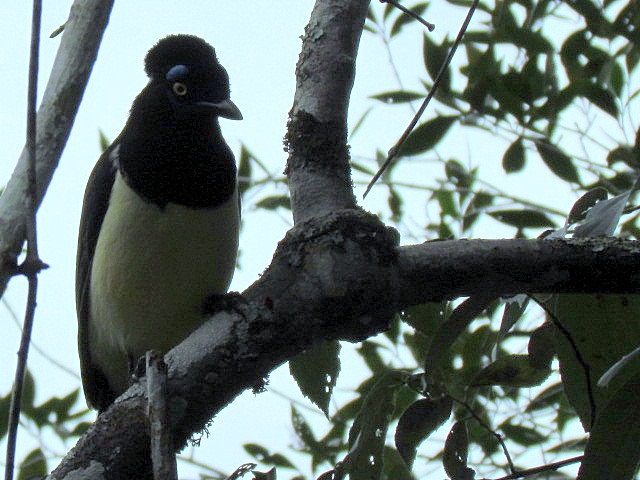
160,219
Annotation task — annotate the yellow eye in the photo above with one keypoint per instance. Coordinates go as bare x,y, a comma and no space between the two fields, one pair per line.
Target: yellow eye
179,89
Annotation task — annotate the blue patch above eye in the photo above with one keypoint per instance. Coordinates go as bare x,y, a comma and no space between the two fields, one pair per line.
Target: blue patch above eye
177,73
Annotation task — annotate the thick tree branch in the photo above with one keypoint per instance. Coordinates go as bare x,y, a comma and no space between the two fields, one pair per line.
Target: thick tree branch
318,164
449,269
69,76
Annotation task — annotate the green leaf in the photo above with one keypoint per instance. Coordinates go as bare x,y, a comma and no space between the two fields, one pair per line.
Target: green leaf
514,157
613,449
394,466
316,372
558,162
33,466
275,201
522,435
512,371
456,450
368,433
524,218
601,97
541,347
419,421
426,136
394,97
477,206
604,328
244,170
434,56
404,19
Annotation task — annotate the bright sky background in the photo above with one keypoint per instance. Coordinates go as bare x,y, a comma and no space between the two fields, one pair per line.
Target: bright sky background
258,43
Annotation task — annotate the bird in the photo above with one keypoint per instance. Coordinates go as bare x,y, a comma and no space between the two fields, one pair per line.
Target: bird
160,219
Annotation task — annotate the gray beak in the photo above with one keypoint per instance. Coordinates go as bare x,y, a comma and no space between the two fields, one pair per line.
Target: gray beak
224,109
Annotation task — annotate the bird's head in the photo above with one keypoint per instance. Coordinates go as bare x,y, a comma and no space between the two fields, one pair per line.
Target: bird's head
186,70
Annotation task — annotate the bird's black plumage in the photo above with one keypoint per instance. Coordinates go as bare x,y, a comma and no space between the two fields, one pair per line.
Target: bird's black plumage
160,215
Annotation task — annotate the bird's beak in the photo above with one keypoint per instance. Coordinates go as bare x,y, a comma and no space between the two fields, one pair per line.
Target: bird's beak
225,109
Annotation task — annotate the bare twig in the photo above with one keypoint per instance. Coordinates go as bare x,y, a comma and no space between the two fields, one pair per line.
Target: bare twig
393,152
430,26
550,467
32,264
162,455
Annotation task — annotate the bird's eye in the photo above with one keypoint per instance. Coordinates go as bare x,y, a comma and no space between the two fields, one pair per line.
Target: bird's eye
179,89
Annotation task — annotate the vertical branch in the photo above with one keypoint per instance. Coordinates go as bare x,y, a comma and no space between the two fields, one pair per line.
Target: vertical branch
32,264
318,163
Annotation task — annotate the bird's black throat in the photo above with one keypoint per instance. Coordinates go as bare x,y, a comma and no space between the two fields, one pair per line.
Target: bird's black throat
175,154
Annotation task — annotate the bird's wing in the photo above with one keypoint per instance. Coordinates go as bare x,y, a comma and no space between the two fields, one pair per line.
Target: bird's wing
94,207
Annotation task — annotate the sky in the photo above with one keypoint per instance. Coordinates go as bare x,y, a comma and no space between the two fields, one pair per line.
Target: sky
258,43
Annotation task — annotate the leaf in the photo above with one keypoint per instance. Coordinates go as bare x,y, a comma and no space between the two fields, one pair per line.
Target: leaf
557,161
316,372
456,450
584,203
244,170
33,466
601,97
541,347
395,97
514,157
604,328
522,435
434,56
368,433
426,136
512,371
524,218
275,201
477,206
403,19
613,449
394,466
419,421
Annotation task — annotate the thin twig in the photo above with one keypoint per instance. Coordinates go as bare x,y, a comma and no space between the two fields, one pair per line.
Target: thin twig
32,263
551,467
430,26
393,152
483,424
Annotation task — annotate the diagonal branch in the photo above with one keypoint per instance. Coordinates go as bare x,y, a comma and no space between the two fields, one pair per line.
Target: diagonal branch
69,76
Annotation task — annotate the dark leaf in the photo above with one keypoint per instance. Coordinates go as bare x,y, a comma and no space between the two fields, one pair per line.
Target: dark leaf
558,162
456,449
397,96
369,430
419,421
426,136
522,435
550,397
316,372
613,444
403,19
514,157
511,371
541,347
584,203
33,466
600,97
477,206
275,201
434,56
524,218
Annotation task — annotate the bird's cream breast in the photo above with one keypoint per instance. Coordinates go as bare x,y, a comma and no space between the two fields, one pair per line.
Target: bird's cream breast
152,270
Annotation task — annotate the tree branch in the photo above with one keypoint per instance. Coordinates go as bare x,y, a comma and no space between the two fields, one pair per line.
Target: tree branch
318,163
69,76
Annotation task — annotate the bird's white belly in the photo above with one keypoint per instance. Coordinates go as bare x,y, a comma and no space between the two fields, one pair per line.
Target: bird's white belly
151,272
